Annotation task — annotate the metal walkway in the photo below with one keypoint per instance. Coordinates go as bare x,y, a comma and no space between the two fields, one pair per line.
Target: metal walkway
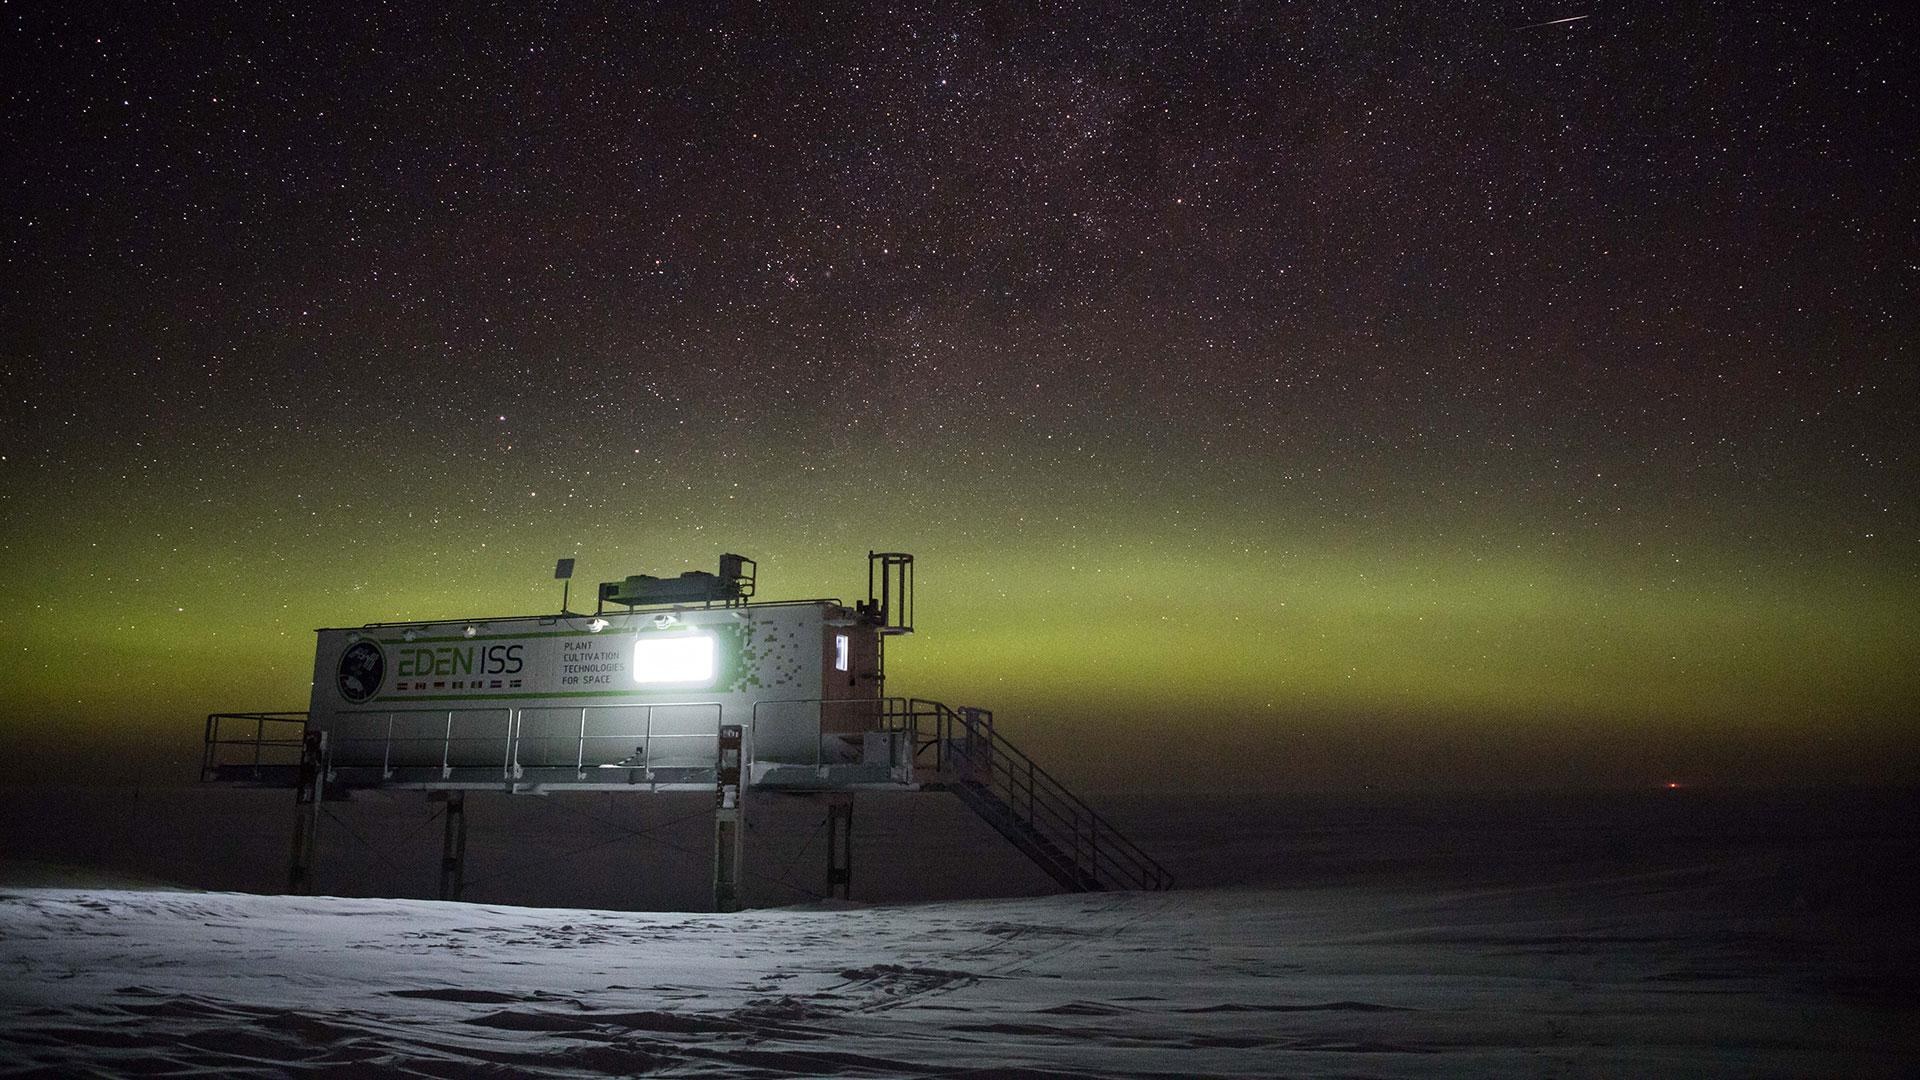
950,749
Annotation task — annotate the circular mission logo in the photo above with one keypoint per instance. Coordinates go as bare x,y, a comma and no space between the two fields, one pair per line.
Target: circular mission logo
362,668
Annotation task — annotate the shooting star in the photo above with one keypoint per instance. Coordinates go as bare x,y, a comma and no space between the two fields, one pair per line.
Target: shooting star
1553,22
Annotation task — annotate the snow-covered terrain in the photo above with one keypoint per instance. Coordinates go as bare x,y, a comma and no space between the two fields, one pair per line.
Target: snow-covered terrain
1327,982
1761,959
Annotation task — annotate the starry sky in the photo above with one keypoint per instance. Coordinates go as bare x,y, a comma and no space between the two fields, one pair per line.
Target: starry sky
1294,397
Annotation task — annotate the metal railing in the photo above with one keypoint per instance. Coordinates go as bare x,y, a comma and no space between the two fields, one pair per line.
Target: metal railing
394,749
869,714
240,740
967,751
348,747
643,755
263,742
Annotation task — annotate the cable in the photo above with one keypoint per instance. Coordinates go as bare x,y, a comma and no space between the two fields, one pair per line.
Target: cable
432,816
624,831
626,828
386,864
470,882
795,860
647,836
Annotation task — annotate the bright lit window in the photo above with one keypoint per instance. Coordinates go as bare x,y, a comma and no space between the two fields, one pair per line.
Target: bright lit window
673,658
839,652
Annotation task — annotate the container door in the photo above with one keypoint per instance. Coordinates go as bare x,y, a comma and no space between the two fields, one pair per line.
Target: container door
850,681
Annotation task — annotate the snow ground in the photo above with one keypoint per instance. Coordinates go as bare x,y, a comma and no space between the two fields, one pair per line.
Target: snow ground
1594,978
1392,939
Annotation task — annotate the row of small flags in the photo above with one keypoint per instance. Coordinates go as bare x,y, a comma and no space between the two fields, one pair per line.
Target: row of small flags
476,684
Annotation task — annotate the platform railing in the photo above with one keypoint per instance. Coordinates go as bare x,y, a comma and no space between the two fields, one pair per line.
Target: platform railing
443,750
266,745
643,754
965,749
866,713
243,740
395,751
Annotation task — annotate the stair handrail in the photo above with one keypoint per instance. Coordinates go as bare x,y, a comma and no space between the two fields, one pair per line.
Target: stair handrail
1118,851
1046,799
1069,824
1144,866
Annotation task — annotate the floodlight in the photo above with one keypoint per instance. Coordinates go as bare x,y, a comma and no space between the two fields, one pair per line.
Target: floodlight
470,631
673,658
596,626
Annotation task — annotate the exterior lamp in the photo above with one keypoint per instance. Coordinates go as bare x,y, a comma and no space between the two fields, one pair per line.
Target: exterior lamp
673,658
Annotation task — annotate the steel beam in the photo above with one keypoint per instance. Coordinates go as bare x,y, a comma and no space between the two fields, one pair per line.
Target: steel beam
453,845
307,793
840,844
729,820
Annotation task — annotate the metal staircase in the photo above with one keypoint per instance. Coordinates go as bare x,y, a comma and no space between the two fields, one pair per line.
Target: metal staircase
957,750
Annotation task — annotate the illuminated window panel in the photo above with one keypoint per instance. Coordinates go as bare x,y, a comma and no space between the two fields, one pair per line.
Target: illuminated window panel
679,658
839,652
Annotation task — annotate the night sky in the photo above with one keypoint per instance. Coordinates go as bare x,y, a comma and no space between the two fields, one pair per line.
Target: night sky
1288,396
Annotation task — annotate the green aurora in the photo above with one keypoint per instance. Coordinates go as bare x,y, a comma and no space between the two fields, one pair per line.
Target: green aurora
1210,643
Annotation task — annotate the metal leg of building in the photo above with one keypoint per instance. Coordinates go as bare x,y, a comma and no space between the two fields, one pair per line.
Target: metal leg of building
726,858
306,811
729,821
840,844
453,846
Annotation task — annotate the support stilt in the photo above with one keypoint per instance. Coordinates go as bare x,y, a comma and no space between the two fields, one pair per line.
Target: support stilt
840,844
453,846
306,811
729,821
